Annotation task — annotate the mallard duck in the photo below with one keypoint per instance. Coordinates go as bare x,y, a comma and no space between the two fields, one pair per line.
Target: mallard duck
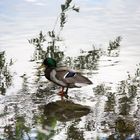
63,76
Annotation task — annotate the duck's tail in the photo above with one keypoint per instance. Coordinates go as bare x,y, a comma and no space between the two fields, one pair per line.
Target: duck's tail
81,80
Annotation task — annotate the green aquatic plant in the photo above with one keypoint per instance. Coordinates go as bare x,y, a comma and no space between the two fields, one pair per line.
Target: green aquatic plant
2,60
65,8
113,48
124,100
5,75
86,60
128,91
52,49
39,53
110,103
100,89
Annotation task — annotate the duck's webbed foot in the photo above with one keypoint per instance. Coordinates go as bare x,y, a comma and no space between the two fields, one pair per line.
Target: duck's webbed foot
63,94
66,95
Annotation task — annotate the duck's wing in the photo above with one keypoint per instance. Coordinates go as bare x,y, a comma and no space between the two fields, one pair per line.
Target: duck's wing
70,77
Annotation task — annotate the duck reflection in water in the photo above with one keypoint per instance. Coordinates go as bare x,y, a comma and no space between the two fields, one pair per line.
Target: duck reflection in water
62,112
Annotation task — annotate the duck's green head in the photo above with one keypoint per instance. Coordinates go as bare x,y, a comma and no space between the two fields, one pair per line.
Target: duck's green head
50,63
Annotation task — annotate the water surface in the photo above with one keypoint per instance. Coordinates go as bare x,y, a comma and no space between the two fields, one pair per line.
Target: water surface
109,109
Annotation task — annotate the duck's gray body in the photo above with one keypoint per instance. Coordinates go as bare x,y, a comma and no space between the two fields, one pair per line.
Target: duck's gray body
65,77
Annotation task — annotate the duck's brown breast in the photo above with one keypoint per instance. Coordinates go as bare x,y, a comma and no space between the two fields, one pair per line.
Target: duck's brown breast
47,73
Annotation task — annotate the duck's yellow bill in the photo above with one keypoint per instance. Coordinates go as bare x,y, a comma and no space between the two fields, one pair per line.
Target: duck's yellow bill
41,67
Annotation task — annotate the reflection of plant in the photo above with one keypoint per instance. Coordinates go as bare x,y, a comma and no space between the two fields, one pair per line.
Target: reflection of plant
25,86
120,106
125,100
123,125
114,45
74,133
45,126
21,128
128,89
5,76
18,130
110,103
100,89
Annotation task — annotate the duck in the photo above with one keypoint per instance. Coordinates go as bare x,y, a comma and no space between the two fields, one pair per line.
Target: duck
63,76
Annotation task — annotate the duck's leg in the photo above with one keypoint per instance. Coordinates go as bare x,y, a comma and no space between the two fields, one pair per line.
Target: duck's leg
66,93
61,93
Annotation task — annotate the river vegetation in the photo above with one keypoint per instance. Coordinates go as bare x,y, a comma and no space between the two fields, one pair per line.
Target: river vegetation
5,75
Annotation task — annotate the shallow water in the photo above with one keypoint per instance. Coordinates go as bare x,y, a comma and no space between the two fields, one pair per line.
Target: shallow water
108,109
30,108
